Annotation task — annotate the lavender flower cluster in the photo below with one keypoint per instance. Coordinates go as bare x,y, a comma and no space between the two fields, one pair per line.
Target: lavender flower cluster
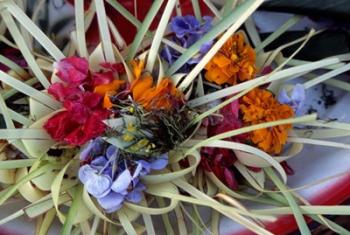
112,178
187,30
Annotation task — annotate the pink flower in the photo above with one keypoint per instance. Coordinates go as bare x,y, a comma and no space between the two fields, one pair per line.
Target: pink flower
73,70
82,119
61,92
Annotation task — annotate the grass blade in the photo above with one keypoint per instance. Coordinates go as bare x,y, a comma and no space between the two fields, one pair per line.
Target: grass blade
196,10
68,223
104,31
289,23
143,29
34,30
30,91
80,28
304,229
157,40
27,54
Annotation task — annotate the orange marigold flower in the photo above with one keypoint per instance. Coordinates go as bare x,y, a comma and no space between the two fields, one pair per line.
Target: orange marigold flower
106,90
138,66
259,106
110,87
234,62
153,97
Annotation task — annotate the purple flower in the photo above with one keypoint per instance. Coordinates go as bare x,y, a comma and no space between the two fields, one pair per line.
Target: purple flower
188,25
93,147
98,185
110,178
188,30
158,164
295,99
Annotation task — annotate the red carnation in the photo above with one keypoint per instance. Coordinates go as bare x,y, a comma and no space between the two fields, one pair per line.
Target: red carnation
221,161
83,116
81,121
73,70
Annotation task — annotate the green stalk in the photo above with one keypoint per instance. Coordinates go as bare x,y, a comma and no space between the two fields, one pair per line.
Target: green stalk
68,223
304,229
143,29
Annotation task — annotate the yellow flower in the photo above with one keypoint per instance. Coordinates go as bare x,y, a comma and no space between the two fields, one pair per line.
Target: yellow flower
259,106
234,62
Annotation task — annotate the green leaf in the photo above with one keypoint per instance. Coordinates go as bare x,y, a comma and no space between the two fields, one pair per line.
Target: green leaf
80,29
27,54
56,188
34,30
197,10
8,192
124,12
304,229
30,91
13,164
104,31
142,31
44,204
153,52
72,213
289,23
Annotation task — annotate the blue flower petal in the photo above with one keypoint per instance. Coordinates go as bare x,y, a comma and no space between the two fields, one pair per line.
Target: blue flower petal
298,93
85,173
207,23
295,99
192,22
111,202
99,161
160,163
111,151
98,185
85,153
178,26
206,47
134,196
283,97
146,167
121,184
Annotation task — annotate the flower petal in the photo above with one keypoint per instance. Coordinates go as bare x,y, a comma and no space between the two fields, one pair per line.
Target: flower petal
111,202
85,173
111,151
85,153
121,184
160,163
298,93
283,97
146,167
99,161
98,185
73,70
135,195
